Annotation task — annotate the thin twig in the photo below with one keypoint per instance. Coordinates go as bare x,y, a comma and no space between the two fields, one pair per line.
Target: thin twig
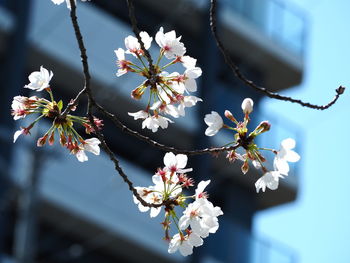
136,31
156,144
235,69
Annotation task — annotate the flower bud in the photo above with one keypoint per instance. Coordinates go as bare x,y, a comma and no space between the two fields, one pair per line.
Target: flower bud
52,138
229,116
264,126
245,167
137,93
247,105
63,139
41,141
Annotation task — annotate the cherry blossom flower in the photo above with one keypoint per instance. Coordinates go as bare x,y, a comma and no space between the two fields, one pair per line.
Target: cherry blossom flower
123,64
269,180
285,155
150,195
170,44
186,82
187,101
176,163
90,145
215,123
201,215
166,108
133,46
39,80
166,90
247,105
184,244
19,109
151,122
166,185
58,2
154,122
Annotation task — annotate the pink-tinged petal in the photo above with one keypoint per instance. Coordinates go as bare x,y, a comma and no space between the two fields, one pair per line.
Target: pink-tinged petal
200,188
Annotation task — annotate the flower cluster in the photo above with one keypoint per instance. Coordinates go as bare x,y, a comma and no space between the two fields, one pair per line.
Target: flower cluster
270,179
58,2
199,219
62,124
167,91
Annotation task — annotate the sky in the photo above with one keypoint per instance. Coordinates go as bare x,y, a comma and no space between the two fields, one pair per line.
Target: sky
317,224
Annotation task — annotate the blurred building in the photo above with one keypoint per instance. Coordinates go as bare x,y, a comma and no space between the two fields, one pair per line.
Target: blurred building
55,209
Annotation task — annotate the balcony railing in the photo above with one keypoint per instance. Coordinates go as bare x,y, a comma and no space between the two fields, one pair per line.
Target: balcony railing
284,24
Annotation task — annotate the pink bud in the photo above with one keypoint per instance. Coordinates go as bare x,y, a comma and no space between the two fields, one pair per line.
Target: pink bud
229,116
52,138
245,167
41,141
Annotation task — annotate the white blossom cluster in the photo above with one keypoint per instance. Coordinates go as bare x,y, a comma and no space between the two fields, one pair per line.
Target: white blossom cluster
168,92
270,179
199,219
69,137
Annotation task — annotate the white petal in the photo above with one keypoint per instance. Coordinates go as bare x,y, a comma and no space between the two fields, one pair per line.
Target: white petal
181,160
193,73
191,85
92,146
120,53
155,211
81,156
138,115
16,135
186,249
292,156
281,165
184,222
169,159
195,240
288,143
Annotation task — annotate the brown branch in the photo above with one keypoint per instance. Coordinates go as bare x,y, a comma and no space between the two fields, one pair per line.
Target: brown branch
156,144
235,69
87,90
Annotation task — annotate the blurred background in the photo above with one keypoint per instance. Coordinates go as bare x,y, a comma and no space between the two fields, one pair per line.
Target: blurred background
55,209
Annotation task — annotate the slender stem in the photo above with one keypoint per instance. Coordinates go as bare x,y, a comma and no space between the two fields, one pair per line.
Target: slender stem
237,72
